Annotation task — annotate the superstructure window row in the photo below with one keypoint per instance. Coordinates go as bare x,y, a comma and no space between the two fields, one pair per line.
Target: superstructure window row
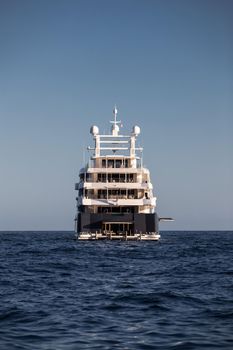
117,210
101,177
119,193
115,194
116,178
115,163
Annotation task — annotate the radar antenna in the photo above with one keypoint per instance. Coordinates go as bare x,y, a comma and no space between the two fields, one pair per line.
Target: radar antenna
115,112
115,127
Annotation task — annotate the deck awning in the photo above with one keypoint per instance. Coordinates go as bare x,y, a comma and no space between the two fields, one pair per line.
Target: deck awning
117,222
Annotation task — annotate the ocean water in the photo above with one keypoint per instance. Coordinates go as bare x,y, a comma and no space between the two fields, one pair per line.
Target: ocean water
58,293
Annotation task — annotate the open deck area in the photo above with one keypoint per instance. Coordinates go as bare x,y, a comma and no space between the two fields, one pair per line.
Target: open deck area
122,237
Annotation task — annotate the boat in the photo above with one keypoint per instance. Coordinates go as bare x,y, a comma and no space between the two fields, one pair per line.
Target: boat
115,198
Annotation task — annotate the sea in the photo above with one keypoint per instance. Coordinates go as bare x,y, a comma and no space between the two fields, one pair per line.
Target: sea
60,293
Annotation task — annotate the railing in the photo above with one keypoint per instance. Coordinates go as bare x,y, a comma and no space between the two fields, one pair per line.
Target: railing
112,181
113,197
118,201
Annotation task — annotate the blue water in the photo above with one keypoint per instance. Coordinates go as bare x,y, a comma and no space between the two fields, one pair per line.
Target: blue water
57,293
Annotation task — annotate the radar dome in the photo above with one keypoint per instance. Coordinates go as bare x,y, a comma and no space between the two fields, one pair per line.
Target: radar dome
94,130
136,130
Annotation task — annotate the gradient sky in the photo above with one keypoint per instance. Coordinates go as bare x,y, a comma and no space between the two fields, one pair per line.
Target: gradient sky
168,65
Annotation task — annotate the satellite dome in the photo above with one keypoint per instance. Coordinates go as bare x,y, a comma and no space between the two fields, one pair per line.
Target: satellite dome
94,130
136,130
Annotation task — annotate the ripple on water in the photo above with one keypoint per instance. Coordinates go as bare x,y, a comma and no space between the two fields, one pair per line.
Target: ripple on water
57,293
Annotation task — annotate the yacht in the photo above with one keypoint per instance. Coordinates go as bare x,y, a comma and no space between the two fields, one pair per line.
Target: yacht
115,198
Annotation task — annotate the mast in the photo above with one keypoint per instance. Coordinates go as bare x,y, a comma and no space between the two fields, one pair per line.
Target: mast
115,127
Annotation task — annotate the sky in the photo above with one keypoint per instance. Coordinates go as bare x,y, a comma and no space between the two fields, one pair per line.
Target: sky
167,64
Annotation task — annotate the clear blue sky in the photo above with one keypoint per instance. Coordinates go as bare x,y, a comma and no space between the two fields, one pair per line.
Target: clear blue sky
167,64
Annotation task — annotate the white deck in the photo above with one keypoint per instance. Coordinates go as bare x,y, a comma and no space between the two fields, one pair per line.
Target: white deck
117,201
116,170
124,237
116,185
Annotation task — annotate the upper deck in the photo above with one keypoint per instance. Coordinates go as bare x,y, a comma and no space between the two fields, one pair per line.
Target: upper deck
114,150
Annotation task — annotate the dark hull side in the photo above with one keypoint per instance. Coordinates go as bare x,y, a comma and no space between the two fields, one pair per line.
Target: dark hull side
139,223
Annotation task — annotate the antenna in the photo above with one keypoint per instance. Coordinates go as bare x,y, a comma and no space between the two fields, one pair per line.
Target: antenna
115,127
115,121
115,111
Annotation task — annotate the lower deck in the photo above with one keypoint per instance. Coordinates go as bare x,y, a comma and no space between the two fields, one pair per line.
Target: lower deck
114,236
131,226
